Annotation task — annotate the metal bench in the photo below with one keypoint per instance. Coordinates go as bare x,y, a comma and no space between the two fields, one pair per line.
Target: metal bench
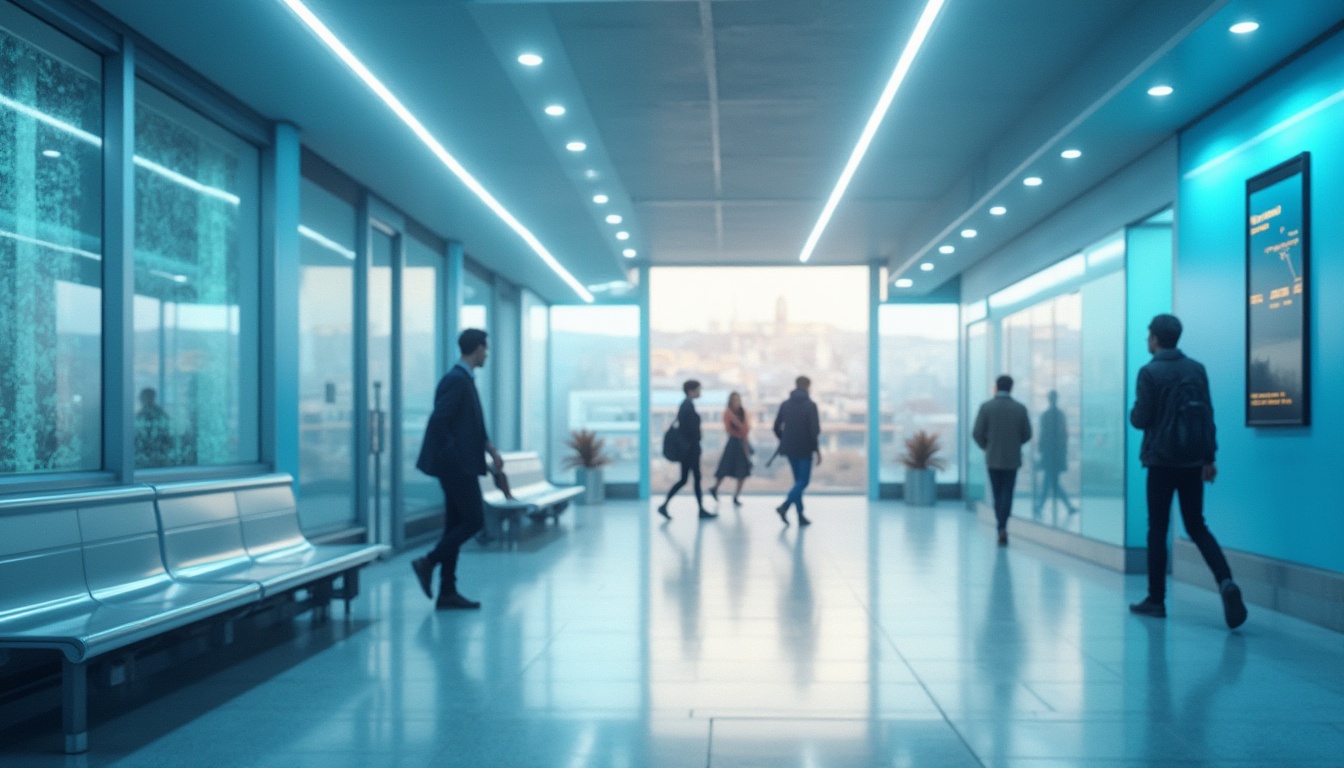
533,495
82,574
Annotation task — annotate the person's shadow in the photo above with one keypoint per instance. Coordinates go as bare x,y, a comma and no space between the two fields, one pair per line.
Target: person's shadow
1191,720
736,546
1000,652
799,626
685,586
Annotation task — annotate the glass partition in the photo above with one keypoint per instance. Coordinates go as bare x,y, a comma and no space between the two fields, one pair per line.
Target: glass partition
594,366
978,387
420,366
478,311
919,383
50,250
536,372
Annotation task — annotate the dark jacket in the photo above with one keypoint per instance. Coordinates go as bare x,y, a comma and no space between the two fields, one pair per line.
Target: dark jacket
455,437
1054,441
797,426
1152,403
688,426
1002,426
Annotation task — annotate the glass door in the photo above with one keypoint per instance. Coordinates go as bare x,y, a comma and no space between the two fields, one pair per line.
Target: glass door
379,354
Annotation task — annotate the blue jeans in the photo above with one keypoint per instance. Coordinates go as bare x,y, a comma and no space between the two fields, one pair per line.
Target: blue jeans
802,475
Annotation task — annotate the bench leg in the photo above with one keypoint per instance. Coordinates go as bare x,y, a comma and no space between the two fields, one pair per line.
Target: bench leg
349,588
75,706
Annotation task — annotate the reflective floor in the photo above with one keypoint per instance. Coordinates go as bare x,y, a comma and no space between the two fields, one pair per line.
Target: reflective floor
880,636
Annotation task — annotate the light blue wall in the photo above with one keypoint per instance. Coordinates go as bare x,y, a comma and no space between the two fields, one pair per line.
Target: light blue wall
1279,490
1148,291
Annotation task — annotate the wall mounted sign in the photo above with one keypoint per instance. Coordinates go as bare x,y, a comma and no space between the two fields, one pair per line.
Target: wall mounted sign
1278,295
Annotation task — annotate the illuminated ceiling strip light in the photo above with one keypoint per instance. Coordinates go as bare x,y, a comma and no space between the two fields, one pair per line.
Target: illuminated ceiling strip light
903,65
97,141
326,242
1270,132
337,47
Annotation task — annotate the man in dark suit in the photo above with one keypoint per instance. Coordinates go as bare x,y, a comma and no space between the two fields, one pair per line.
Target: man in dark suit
1002,427
798,425
454,452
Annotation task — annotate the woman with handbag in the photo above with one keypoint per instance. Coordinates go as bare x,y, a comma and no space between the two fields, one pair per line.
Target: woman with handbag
736,460
687,430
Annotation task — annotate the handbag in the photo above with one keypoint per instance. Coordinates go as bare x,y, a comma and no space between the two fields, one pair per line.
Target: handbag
673,448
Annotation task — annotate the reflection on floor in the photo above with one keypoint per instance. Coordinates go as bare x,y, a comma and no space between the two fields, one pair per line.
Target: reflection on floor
880,636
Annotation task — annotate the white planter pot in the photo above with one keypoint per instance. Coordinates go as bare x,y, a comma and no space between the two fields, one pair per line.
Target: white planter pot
594,490
921,487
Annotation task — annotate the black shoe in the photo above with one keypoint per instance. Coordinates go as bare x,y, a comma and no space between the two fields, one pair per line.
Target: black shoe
737,502
707,515
1003,538
662,510
783,511
715,493
424,572
1234,608
803,520
1149,607
453,601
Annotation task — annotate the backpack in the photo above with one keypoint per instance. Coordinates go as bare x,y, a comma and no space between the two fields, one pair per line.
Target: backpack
1187,434
673,449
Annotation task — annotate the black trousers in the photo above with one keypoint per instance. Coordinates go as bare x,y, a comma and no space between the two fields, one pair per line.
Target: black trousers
688,469
1001,483
1187,484
463,517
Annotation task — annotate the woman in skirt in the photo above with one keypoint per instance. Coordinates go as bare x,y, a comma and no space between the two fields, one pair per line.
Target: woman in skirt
735,461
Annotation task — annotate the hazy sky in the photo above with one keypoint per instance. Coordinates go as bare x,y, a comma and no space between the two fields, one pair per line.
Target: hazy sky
689,298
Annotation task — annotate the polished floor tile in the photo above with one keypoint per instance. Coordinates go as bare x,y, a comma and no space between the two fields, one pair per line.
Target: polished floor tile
879,636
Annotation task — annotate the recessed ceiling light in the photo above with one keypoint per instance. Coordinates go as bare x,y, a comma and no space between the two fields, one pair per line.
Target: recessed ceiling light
1071,154
1244,27
576,146
614,218
530,60
622,235
904,282
926,266
629,253
51,153
969,233
947,249
1161,90
555,110
600,199
998,210
1032,181
590,174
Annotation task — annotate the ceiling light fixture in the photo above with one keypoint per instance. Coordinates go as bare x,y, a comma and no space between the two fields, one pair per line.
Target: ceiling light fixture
1071,154
947,250
903,65
614,218
527,59
335,45
600,199
622,235
590,174
629,253
905,282
555,110
997,210
926,266
576,146
1161,90
51,153
969,233
1244,27
1033,181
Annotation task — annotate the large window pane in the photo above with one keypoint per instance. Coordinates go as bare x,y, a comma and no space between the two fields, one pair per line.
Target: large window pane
326,360
420,368
536,343
919,383
478,311
978,387
196,304
595,385
50,250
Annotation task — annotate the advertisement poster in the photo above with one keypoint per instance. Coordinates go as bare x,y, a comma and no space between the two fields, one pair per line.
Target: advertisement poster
1278,381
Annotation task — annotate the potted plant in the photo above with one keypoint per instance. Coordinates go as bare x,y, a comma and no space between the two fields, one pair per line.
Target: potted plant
587,462
921,468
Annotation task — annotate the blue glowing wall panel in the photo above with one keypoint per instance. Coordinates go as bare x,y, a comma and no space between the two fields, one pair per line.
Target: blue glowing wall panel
1278,494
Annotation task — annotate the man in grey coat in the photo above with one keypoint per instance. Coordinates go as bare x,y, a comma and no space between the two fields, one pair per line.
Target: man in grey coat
1002,427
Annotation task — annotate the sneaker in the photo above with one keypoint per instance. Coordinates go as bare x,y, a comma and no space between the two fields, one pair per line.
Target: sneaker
424,573
705,514
662,510
1234,608
737,502
1149,607
783,511
802,519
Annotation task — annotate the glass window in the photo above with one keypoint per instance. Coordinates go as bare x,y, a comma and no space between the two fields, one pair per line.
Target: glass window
420,368
919,383
326,487
478,311
595,385
536,341
196,282
50,250
978,387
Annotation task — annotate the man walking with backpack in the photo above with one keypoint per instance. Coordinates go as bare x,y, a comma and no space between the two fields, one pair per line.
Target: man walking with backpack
1175,412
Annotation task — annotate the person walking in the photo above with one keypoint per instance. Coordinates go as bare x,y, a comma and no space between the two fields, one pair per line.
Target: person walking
1002,427
797,425
1175,412
1053,442
688,430
736,460
454,451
